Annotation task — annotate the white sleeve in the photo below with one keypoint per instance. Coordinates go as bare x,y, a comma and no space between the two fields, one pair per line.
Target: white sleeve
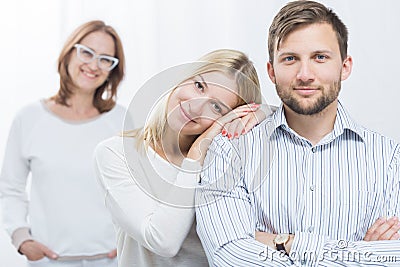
159,227
13,179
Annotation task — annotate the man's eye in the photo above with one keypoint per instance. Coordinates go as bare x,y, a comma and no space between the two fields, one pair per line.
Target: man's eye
321,57
289,58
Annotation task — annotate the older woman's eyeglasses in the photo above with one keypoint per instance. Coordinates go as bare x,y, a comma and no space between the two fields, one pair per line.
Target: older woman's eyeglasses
87,55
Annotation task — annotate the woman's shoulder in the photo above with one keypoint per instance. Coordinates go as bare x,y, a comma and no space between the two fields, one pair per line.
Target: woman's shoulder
118,115
117,110
113,154
113,144
31,109
30,114
114,147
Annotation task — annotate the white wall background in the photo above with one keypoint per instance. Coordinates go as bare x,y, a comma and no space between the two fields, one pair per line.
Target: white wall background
158,34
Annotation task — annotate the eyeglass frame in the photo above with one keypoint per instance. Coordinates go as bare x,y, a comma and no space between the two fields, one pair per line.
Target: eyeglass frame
96,56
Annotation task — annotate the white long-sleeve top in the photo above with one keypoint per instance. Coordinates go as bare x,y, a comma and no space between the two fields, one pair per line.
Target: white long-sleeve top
154,217
66,208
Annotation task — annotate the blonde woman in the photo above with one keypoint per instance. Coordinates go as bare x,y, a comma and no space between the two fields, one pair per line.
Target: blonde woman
149,175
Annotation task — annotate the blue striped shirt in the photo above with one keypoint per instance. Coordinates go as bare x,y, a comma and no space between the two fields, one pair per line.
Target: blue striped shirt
327,195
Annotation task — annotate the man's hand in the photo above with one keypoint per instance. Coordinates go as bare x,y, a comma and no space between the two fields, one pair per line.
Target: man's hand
268,239
384,229
35,251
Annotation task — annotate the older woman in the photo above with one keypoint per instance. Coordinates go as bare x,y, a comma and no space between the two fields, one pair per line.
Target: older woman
65,222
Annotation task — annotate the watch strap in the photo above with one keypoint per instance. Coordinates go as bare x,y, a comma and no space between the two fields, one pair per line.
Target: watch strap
281,247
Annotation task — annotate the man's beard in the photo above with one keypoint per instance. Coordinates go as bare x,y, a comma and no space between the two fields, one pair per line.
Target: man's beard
327,97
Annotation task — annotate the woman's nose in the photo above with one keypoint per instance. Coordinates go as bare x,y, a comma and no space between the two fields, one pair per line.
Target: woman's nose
197,106
93,65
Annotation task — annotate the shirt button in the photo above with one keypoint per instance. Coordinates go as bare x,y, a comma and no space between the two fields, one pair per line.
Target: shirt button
313,150
310,229
312,188
303,262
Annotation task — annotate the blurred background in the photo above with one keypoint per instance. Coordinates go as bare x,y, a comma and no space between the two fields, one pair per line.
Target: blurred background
159,34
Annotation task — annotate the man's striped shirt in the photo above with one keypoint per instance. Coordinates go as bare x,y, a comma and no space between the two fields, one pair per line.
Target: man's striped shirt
327,195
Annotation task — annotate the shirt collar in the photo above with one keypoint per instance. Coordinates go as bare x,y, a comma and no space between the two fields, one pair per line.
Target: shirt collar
343,122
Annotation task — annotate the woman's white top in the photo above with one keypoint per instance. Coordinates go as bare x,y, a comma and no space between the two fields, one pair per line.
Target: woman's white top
151,202
65,210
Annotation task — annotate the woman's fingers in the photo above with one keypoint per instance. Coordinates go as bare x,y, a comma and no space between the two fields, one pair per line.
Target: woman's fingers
242,124
231,129
255,119
229,120
239,112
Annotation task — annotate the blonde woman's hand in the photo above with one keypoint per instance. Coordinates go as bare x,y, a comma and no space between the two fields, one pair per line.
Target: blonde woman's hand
199,148
242,125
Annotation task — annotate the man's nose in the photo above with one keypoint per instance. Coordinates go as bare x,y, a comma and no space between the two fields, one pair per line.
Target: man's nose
305,72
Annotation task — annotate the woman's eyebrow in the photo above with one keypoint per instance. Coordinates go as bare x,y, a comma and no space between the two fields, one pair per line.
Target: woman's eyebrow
202,79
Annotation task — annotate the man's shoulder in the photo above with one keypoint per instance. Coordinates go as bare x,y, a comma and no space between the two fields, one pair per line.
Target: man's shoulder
372,137
250,142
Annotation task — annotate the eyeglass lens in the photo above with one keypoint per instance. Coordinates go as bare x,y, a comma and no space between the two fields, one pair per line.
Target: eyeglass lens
103,62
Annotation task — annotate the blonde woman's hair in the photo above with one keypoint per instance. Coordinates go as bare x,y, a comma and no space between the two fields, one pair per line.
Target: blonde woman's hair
231,62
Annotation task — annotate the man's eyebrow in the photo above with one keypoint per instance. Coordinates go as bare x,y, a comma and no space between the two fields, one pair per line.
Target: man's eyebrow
323,52
288,53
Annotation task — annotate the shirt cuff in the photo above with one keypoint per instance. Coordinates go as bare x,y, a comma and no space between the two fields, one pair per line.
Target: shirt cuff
306,248
19,236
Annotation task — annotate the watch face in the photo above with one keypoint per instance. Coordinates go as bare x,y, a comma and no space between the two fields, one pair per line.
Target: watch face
281,238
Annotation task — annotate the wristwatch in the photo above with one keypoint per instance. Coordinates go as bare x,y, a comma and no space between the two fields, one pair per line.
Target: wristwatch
280,240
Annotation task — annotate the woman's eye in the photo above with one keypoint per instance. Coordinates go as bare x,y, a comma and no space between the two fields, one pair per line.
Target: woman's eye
216,107
87,54
199,86
105,61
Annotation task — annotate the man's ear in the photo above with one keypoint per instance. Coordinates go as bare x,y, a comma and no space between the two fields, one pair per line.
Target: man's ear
347,66
271,72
